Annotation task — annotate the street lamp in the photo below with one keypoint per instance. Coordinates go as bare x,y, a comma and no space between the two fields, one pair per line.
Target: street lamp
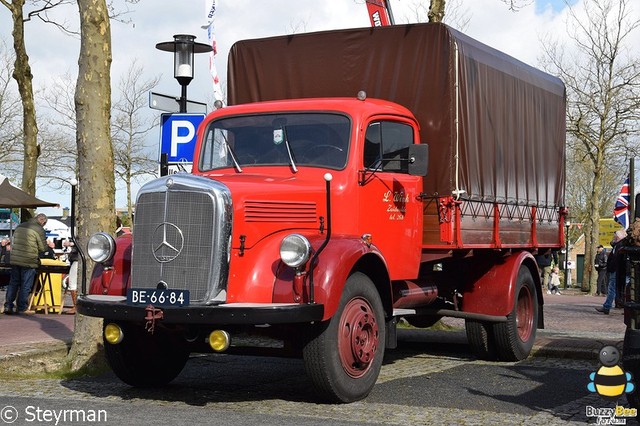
183,47
567,277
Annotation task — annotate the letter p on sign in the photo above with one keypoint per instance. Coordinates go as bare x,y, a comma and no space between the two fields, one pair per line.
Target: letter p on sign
182,131
178,136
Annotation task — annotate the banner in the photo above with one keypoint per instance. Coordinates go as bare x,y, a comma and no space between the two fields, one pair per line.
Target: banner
379,13
210,15
621,208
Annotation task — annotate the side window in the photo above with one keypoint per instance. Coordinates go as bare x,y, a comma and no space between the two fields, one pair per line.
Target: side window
372,147
386,146
214,153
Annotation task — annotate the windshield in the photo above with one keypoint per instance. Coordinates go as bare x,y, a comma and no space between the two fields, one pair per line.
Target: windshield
299,139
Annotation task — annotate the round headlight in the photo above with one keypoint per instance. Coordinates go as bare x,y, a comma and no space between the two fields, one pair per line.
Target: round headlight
295,250
101,247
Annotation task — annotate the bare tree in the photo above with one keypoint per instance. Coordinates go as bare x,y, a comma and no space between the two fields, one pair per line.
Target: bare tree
130,127
24,78
602,76
436,10
456,16
516,5
579,188
10,117
58,133
96,187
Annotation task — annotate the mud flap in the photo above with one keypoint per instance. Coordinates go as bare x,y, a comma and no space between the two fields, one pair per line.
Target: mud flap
391,341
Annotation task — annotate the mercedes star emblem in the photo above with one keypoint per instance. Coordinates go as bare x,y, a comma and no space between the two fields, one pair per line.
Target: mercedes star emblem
167,242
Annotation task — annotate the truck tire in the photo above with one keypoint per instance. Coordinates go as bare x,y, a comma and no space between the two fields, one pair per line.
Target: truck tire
145,360
344,357
515,337
481,340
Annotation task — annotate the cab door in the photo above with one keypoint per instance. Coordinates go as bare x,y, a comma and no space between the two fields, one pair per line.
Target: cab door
389,203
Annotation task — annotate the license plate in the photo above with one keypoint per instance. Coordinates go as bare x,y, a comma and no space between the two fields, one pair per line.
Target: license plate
157,297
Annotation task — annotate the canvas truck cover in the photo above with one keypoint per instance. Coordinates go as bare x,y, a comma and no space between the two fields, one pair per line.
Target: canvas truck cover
509,143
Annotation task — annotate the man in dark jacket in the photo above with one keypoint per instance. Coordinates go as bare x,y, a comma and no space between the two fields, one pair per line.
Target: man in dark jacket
545,260
28,242
619,240
600,262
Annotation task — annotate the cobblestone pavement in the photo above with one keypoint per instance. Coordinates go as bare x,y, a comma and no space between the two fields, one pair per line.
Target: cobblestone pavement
274,388
431,379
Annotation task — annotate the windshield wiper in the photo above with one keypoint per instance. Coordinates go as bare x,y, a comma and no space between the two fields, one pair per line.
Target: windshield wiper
232,154
289,152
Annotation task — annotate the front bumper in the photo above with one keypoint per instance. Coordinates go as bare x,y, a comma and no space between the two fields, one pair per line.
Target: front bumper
116,309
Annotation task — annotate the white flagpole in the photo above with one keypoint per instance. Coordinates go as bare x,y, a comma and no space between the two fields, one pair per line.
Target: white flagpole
210,15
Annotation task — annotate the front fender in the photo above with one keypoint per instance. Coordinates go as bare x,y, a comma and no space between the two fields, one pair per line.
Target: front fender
113,279
336,262
493,293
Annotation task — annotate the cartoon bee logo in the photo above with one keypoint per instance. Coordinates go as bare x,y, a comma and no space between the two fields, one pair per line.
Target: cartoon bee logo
610,381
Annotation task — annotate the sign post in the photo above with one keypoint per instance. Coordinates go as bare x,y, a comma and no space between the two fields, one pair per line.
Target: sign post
169,103
178,134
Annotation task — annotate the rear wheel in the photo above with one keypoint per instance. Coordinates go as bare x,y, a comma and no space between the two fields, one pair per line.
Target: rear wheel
481,340
515,337
344,358
145,360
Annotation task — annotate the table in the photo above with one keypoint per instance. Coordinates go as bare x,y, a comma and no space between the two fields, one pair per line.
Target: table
46,294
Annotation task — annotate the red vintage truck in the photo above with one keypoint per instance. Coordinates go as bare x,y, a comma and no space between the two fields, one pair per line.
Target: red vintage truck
317,216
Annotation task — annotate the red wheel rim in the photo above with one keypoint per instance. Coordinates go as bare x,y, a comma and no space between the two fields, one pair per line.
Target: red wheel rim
358,337
524,313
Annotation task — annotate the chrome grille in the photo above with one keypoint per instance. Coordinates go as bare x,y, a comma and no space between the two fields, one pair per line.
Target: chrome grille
181,233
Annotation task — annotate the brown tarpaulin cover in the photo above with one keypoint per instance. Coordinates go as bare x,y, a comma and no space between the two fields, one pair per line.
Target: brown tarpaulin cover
511,116
13,197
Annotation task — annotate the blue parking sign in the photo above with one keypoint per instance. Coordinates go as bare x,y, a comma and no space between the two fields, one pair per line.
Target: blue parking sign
178,133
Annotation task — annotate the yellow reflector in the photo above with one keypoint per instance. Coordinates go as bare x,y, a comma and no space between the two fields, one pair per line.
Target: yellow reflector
219,340
113,333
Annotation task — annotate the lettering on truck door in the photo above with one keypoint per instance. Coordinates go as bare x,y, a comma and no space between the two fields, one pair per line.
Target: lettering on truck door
389,208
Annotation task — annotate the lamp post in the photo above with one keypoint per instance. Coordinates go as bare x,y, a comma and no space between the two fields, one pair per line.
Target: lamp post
567,277
74,183
183,47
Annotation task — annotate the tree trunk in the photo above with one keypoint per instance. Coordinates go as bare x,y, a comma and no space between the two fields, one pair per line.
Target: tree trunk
589,281
436,10
96,182
24,78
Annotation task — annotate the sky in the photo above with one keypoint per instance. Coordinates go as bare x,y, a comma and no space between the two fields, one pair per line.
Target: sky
53,53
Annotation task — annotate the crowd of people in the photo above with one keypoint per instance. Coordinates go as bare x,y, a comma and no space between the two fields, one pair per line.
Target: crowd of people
606,263
23,255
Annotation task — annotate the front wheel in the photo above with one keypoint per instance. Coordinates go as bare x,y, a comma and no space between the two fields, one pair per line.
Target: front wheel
344,358
515,337
146,360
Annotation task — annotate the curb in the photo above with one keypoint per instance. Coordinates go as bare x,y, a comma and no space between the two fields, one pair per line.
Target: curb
33,358
572,347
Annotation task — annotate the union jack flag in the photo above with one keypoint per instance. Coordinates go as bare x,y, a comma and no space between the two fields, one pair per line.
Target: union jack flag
621,209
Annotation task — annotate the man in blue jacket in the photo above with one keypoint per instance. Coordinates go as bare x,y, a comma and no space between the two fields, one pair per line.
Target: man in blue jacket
619,239
28,242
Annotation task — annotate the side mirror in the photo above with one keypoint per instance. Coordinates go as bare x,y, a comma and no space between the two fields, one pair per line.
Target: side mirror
418,160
